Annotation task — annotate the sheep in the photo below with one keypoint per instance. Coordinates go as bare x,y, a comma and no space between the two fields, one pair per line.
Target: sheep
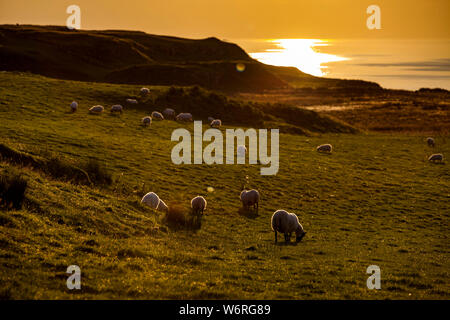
241,150
210,119
162,206
146,121
216,123
285,222
169,113
325,148
430,142
151,199
157,115
250,198
96,109
436,157
145,91
198,204
184,117
131,101
74,106
116,108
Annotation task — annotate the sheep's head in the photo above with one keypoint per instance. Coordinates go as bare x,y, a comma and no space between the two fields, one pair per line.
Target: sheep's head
299,235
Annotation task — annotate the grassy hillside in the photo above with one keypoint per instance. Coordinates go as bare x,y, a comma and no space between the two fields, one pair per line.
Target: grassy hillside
375,200
136,57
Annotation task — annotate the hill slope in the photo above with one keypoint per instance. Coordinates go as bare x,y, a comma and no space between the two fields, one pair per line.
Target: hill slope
138,58
375,200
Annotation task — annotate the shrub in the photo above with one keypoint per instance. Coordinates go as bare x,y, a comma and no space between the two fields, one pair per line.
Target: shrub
12,190
97,173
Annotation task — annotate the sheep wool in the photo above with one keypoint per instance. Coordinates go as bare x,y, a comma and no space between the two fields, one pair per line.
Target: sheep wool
198,204
285,222
325,148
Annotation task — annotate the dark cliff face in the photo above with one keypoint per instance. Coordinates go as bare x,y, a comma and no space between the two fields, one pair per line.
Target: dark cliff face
131,57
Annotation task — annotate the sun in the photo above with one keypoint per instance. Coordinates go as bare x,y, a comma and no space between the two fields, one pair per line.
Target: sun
299,53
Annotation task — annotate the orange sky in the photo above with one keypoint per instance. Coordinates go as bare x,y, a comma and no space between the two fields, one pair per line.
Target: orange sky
244,18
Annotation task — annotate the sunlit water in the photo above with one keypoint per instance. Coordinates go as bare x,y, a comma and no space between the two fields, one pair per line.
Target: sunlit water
399,64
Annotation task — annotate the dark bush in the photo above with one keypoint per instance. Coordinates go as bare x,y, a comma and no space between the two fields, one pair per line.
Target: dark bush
97,173
12,190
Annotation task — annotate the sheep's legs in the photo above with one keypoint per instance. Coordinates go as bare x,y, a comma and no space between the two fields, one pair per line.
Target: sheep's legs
276,237
287,238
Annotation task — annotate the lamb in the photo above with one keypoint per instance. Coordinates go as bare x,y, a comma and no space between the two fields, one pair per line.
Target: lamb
169,113
146,121
162,206
184,117
151,199
131,101
430,142
198,205
325,148
96,109
436,157
250,198
116,108
74,106
157,115
216,123
285,222
145,91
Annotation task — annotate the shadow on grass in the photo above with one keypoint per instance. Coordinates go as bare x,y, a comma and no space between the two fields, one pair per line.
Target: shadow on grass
248,213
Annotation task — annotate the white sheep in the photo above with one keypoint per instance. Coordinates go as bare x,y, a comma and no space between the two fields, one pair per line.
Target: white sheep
184,117
436,157
96,109
430,142
285,222
151,199
145,91
250,198
162,206
169,113
116,108
325,148
74,106
157,115
210,119
146,121
216,123
131,101
198,204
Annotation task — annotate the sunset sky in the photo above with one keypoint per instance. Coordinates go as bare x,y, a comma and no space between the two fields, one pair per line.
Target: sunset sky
243,18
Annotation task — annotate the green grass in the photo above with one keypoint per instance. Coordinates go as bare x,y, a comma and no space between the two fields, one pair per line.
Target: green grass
375,200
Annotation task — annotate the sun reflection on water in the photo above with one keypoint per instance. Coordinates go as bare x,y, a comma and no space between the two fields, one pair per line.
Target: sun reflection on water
299,53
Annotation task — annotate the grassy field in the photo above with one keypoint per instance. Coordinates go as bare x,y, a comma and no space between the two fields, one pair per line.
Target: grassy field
375,201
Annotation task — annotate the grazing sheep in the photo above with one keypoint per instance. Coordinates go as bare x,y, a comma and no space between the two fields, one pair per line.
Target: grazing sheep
325,148
216,123
169,113
151,199
116,108
146,121
131,101
96,109
210,119
184,117
436,157
250,198
430,142
74,106
162,206
145,91
198,205
157,115
285,222
241,150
